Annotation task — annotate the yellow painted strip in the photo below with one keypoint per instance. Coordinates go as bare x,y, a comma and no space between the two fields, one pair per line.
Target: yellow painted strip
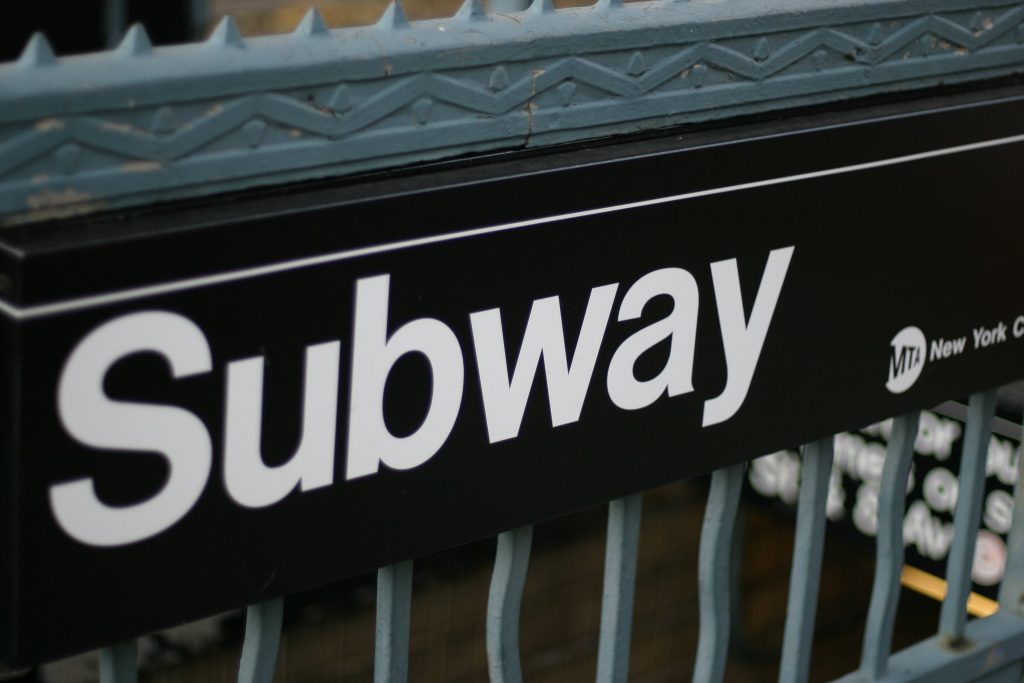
933,587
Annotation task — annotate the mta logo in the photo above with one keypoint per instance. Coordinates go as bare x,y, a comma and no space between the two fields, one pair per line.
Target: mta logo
903,359
906,359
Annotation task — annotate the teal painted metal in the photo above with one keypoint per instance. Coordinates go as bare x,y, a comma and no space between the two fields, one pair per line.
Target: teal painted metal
714,573
989,650
262,641
394,607
115,12
980,411
619,585
137,124
119,663
995,643
805,575
1011,590
885,591
511,563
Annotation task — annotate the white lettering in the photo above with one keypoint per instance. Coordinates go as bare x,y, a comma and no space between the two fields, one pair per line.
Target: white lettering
248,480
865,509
928,533
567,382
999,511
1002,461
92,418
936,435
987,336
940,488
944,348
680,326
743,340
374,353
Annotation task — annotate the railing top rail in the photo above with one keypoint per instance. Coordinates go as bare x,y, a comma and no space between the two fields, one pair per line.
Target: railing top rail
140,124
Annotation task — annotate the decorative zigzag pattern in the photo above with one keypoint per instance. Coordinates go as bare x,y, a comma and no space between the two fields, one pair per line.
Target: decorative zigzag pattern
182,146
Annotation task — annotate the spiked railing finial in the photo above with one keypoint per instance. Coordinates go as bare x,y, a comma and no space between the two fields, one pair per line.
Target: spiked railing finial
312,25
393,17
471,10
136,42
37,52
227,34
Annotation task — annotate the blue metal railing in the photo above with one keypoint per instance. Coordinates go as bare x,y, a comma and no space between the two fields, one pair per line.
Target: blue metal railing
988,649
141,124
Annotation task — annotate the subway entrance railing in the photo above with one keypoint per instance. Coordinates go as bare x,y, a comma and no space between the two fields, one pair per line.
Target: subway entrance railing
299,382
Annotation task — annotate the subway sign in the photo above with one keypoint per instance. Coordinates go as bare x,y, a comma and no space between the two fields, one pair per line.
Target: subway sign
212,405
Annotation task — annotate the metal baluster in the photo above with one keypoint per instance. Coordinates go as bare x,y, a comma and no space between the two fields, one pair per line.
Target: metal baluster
394,602
262,641
114,20
715,564
619,584
508,5
119,663
199,17
980,411
1011,590
892,503
807,551
510,565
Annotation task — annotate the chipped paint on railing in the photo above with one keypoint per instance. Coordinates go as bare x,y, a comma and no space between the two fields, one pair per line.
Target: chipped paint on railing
140,124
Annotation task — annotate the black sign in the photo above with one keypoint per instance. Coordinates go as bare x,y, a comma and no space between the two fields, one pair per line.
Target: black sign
209,406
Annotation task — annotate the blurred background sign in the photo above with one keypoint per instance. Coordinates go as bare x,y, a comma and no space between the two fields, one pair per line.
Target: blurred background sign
931,496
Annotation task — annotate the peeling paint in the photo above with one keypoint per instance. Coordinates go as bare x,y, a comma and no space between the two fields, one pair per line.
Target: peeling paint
379,75
122,127
51,213
48,124
141,166
50,197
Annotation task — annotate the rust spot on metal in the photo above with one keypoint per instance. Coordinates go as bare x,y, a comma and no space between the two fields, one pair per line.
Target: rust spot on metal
958,644
48,124
51,204
50,197
122,127
141,166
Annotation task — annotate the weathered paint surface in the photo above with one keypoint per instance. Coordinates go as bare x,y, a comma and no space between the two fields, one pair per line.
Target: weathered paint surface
139,124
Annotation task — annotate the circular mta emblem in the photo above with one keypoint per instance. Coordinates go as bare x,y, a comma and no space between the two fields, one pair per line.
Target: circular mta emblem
906,359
